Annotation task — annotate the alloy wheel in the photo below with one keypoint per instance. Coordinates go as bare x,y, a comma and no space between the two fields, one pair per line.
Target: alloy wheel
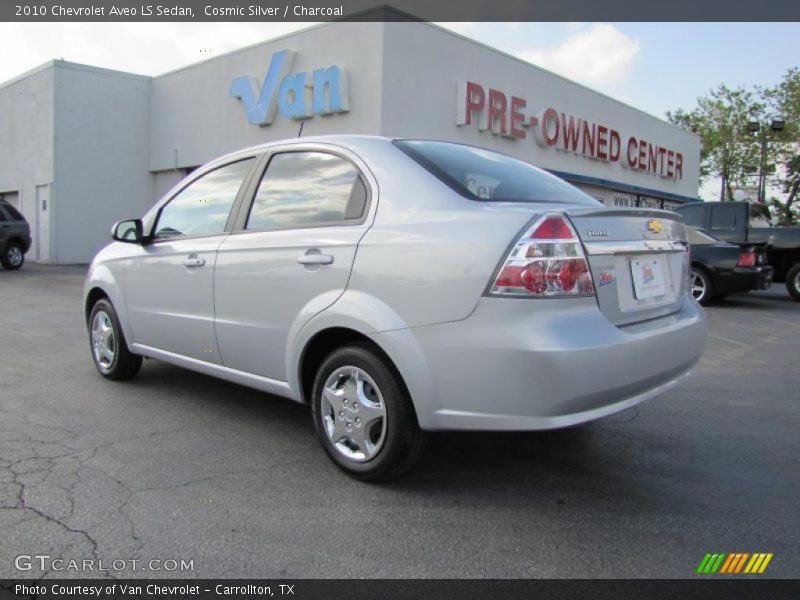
15,256
104,342
353,413
697,285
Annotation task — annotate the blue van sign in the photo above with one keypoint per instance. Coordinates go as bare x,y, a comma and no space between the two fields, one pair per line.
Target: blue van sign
295,96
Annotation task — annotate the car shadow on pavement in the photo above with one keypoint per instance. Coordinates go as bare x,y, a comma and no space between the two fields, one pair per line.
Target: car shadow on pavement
762,302
576,466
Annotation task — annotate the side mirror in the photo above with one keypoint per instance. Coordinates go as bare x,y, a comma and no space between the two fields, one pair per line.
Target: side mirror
129,232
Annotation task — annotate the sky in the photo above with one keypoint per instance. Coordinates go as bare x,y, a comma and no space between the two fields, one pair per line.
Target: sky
656,67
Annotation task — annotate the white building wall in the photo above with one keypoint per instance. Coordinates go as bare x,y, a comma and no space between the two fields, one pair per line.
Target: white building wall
424,64
26,141
193,119
101,157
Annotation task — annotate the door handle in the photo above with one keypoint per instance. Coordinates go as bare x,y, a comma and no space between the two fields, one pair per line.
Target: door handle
315,258
194,261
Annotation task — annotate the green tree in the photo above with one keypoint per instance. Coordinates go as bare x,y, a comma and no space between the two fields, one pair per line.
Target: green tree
728,150
783,103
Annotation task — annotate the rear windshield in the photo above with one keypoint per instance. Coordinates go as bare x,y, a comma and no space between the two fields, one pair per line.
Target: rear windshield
480,174
15,214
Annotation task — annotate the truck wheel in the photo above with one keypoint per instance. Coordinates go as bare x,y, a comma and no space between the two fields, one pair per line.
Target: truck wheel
793,282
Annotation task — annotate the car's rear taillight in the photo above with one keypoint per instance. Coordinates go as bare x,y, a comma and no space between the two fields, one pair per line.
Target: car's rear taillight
747,259
547,261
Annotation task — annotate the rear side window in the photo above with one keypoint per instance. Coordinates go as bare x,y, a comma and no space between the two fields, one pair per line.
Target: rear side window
723,217
480,174
304,189
760,217
13,213
693,215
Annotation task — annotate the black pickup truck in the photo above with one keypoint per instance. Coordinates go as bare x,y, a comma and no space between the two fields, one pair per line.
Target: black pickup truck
746,223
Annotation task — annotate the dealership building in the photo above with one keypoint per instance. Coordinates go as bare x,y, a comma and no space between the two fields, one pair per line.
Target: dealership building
82,147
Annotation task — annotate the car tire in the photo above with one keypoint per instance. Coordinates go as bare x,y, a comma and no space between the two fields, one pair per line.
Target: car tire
700,286
107,343
363,415
793,282
13,256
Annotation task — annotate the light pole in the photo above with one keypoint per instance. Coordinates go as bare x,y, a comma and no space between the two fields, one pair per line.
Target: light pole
755,127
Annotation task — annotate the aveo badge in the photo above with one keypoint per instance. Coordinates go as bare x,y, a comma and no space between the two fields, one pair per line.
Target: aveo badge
295,96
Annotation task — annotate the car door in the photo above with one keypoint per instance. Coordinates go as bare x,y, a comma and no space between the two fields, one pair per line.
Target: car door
169,282
290,255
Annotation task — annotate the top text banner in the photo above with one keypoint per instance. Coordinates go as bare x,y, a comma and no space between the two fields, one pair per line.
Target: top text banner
397,10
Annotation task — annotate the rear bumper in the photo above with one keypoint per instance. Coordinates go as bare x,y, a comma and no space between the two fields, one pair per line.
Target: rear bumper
745,279
519,364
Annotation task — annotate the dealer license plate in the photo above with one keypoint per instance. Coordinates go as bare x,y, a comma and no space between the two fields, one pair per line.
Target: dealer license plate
648,277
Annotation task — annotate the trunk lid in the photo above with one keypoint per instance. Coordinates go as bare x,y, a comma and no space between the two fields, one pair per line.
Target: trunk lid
638,259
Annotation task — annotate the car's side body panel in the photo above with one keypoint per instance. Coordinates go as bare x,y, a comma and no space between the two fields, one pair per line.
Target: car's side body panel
170,303
262,292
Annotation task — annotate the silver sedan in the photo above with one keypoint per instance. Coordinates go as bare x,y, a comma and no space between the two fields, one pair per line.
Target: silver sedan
399,287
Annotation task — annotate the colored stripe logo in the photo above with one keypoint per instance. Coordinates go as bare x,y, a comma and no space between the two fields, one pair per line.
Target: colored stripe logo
736,562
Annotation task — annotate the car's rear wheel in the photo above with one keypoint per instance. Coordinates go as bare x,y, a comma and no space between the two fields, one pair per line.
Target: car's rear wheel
109,349
13,256
793,282
363,416
701,286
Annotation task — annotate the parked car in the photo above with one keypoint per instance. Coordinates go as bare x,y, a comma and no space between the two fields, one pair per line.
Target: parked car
720,268
400,286
15,237
746,223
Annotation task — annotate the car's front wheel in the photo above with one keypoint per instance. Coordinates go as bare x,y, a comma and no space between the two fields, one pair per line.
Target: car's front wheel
13,256
363,416
109,350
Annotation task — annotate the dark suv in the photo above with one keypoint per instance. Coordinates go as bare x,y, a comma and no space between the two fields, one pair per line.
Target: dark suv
15,236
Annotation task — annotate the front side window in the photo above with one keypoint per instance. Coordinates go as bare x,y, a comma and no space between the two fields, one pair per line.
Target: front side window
480,174
303,189
203,207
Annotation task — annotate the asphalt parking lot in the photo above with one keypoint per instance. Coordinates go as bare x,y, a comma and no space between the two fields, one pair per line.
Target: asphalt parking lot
176,465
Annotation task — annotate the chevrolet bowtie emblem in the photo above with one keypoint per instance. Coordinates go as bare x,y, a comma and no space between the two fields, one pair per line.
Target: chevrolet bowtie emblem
654,226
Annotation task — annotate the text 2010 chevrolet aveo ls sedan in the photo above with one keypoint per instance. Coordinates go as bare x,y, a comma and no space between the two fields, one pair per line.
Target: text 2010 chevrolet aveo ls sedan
399,286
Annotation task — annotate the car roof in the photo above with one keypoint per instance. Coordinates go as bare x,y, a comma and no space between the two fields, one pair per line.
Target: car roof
353,142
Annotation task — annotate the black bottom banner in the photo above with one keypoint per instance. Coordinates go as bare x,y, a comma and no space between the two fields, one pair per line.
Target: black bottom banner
383,589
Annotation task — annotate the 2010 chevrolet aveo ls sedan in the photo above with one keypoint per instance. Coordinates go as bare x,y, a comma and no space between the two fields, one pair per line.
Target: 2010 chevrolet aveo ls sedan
399,286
